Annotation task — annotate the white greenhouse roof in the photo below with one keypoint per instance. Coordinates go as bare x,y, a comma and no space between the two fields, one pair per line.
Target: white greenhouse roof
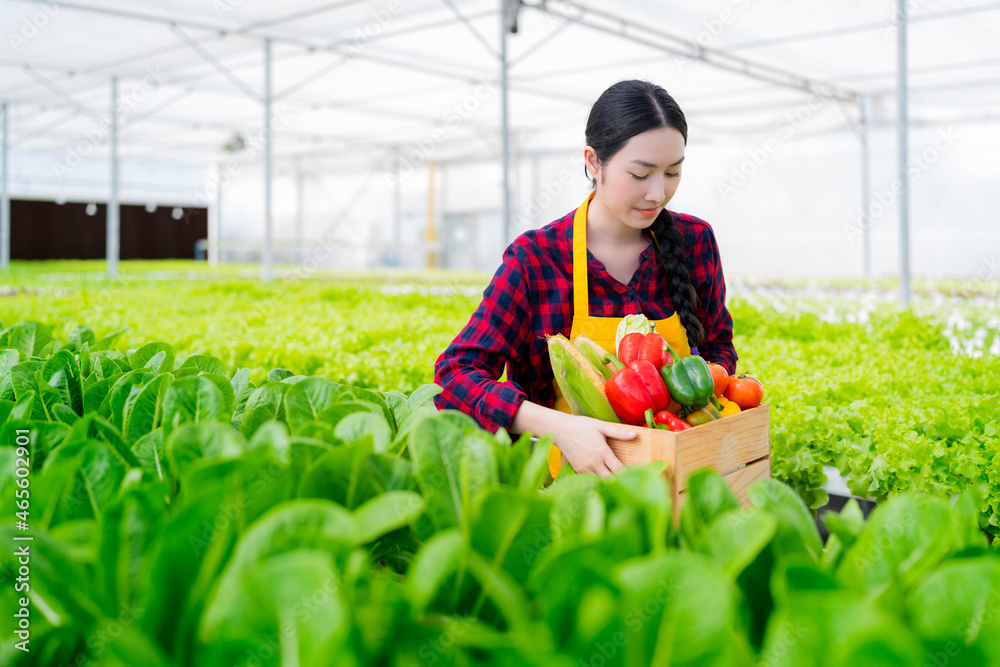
355,80
367,75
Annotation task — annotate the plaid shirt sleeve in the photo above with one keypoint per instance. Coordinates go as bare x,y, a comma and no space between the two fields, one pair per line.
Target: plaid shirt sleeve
497,334
711,285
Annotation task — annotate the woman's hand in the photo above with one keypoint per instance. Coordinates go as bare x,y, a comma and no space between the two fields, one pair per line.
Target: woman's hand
583,442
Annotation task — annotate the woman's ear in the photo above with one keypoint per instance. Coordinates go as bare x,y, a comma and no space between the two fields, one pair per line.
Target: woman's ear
590,159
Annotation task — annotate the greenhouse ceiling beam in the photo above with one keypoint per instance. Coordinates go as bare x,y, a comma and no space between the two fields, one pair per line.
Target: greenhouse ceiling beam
222,30
684,48
196,153
472,77
528,52
860,27
105,70
43,130
216,64
175,23
63,95
472,29
69,101
942,87
957,66
58,140
154,117
245,31
295,16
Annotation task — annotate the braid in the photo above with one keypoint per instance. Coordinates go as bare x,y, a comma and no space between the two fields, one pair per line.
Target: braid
670,254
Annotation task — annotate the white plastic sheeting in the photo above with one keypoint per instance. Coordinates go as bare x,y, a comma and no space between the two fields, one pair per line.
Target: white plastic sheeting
771,90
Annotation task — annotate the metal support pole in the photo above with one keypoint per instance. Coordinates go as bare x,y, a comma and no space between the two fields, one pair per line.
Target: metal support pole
904,195
300,214
5,199
397,208
215,220
505,125
866,194
536,181
113,249
267,259
442,189
431,237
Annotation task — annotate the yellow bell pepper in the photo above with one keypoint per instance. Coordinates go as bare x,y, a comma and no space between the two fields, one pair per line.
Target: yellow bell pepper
728,407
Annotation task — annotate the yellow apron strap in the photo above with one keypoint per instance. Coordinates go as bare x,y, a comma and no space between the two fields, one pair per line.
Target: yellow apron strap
601,329
581,295
673,332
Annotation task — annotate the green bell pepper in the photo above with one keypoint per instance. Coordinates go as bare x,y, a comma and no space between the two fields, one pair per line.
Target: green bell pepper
689,380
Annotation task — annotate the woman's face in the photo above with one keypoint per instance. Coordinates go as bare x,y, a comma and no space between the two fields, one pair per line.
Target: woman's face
639,180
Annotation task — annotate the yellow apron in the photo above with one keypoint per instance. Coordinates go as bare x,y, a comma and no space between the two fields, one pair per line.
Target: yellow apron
602,330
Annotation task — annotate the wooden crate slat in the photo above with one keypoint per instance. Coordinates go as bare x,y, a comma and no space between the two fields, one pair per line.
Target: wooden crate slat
738,446
648,446
739,481
724,445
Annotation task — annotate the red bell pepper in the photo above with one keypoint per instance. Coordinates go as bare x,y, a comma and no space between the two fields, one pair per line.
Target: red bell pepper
635,388
650,347
666,420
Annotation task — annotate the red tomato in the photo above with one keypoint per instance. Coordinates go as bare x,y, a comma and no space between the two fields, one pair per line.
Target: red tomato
745,391
721,377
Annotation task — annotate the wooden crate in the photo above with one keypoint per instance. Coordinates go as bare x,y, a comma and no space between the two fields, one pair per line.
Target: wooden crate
738,446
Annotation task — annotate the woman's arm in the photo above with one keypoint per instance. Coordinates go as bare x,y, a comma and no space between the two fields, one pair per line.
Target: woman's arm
497,333
470,368
582,440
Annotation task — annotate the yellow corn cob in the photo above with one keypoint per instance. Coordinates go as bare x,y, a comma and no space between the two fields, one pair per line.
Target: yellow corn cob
594,353
588,368
581,384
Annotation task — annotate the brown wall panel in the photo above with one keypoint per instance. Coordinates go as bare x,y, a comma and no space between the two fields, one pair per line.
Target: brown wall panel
46,230
157,235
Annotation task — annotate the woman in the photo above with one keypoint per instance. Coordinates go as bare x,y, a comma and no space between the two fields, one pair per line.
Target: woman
621,252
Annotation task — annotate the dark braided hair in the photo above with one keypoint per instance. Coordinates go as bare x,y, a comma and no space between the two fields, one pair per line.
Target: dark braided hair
622,111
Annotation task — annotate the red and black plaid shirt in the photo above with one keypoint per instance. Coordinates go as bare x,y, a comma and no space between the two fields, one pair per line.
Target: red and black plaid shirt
531,295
